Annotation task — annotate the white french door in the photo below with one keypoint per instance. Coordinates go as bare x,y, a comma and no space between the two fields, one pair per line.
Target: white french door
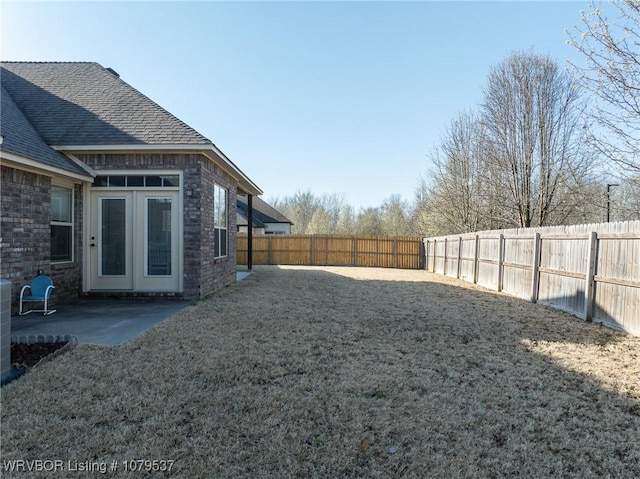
156,244
111,240
134,242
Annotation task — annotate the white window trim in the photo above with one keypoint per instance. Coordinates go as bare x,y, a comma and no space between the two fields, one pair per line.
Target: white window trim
68,186
216,227
139,172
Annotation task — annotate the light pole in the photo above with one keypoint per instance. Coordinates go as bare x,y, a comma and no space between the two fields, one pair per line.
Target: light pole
609,185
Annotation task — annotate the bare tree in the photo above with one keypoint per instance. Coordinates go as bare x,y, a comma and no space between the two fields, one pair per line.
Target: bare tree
609,39
588,205
346,221
422,213
369,222
533,137
299,208
458,174
395,216
625,199
320,223
332,204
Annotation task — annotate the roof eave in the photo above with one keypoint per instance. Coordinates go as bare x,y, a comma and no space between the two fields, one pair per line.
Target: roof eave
245,184
22,162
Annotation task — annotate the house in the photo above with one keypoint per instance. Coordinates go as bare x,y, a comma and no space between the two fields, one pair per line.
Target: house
266,219
107,192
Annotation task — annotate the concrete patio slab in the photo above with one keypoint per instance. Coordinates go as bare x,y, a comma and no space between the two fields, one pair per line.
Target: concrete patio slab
110,322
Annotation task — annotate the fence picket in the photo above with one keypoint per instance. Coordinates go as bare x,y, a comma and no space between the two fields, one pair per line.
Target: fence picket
591,270
405,252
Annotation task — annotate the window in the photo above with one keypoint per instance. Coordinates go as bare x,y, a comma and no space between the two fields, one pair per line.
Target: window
61,224
136,181
220,221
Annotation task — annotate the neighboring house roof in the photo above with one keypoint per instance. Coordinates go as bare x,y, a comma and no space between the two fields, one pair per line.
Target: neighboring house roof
262,211
243,221
21,139
82,106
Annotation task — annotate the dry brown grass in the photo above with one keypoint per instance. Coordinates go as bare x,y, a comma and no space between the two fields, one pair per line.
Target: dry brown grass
344,373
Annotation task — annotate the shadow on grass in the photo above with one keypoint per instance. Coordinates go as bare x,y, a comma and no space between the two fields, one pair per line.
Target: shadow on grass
344,373
473,383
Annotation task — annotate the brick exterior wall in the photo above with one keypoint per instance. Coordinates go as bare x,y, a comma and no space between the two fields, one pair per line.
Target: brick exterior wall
25,225
219,272
202,274
67,276
25,231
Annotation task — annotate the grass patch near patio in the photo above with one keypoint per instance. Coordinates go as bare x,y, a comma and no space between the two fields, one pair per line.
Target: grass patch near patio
343,373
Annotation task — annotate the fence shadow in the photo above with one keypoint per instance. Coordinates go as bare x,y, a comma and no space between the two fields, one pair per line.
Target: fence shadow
496,385
345,372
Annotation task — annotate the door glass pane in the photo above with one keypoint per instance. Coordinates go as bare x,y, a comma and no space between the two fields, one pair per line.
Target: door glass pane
113,237
159,236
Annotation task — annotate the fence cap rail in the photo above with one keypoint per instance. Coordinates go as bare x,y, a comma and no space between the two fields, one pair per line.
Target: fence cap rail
630,236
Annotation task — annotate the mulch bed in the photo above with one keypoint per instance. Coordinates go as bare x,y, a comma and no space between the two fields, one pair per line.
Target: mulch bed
26,356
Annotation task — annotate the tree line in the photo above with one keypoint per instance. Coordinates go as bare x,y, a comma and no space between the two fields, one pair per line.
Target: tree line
547,145
330,214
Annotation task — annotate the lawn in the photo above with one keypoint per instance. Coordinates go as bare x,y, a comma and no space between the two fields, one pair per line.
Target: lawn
341,373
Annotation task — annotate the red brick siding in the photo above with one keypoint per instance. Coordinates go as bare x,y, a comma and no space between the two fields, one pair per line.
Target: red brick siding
25,230
202,275
219,272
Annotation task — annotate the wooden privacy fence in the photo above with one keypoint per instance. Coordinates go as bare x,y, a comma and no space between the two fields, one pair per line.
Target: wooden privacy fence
334,250
591,271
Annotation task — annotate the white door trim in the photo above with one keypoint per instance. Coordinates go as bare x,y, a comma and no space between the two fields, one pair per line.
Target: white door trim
138,228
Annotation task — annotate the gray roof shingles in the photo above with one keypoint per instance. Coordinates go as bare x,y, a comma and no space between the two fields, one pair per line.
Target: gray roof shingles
20,138
77,104
242,221
262,211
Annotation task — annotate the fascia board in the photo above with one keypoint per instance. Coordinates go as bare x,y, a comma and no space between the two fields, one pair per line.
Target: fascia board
243,180
28,164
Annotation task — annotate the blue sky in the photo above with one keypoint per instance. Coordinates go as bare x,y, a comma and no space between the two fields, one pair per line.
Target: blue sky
331,97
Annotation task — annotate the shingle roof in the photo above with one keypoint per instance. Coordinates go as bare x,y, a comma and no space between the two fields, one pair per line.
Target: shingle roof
243,221
86,104
20,138
262,211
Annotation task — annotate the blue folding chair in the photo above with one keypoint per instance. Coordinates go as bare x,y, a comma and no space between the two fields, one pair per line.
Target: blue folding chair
41,287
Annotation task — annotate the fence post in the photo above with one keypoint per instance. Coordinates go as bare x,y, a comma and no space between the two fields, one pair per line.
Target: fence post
500,261
589,289
424,251
270,247
444,264
459,256
313,250
424,255
433,265
355,251
535,273
395,251
476,259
